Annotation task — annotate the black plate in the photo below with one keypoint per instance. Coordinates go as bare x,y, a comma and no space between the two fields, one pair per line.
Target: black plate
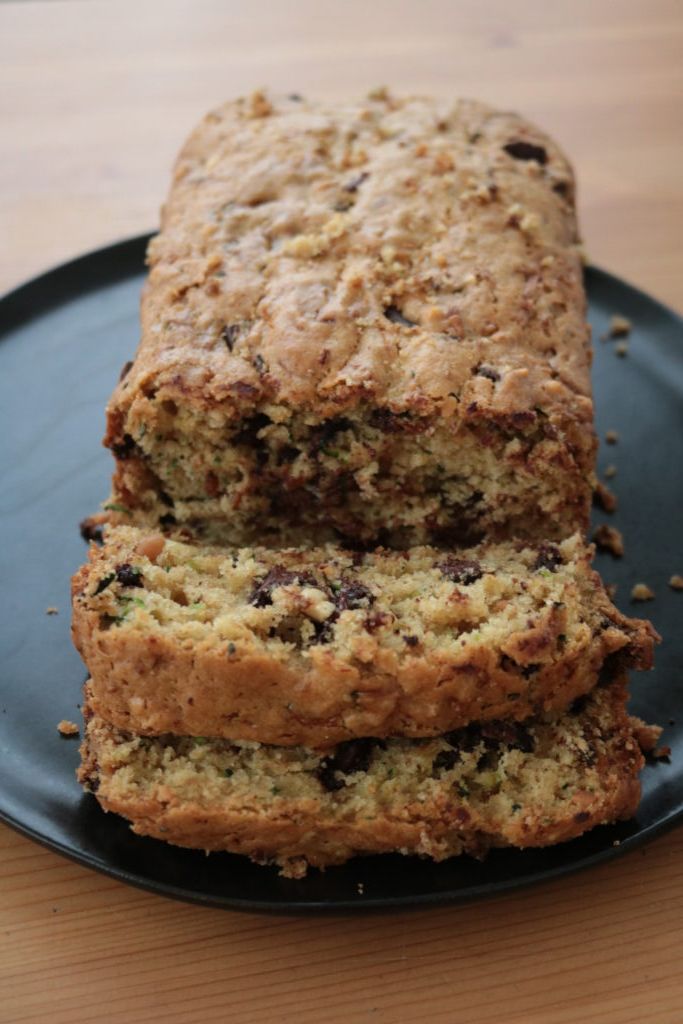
65,337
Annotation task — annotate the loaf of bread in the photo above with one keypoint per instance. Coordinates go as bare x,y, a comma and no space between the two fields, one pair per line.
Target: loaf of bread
364,319
343,603
317,646
498,784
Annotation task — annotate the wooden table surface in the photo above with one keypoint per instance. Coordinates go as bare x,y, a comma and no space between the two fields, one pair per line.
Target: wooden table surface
95,98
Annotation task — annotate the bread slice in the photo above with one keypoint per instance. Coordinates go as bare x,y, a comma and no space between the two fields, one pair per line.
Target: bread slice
363,317
318,646
498,784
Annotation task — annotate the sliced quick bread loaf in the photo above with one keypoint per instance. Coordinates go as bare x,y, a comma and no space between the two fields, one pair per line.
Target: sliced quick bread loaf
319,646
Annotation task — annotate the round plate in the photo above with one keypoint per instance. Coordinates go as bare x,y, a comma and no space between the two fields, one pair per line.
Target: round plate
65,337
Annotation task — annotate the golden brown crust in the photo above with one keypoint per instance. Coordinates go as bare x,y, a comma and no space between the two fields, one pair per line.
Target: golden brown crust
151,679
422,163
598,753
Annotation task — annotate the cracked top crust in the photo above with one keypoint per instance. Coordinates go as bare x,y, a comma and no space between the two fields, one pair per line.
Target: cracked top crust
412,254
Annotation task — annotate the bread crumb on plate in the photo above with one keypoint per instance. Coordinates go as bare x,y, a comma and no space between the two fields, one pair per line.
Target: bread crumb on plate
619,327
608,538
604,498
67,728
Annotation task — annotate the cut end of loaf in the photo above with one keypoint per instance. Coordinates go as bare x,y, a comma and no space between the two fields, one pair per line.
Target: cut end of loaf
370,476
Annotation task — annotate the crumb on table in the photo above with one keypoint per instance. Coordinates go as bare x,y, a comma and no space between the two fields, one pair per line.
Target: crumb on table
621,349
611,437
603,497
641,592
51,610
676,582
608,538
610,471
611,589
67,728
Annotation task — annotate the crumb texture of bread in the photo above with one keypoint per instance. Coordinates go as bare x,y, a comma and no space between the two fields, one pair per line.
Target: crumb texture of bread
501,784
369,317
317,646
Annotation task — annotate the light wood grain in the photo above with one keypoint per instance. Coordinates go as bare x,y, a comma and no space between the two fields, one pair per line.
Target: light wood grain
94,100
97,98
603,946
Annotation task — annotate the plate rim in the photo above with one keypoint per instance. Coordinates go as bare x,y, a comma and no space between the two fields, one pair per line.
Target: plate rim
415,901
